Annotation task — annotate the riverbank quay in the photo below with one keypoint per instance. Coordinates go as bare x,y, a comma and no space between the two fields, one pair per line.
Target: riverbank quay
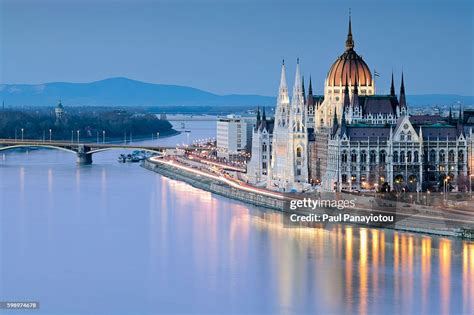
408,217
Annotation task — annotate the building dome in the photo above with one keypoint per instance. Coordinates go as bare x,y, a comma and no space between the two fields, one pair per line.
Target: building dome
349,66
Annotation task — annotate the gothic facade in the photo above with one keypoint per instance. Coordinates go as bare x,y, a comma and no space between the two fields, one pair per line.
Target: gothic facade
350,138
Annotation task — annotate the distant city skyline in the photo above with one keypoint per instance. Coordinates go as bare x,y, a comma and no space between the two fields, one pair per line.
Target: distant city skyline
236,46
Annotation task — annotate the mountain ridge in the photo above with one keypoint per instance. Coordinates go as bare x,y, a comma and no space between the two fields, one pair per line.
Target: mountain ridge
121,91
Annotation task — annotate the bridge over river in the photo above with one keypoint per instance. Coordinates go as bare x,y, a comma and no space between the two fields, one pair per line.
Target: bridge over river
83,151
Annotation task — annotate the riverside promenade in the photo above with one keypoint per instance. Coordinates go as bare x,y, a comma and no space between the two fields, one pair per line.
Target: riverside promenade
410,217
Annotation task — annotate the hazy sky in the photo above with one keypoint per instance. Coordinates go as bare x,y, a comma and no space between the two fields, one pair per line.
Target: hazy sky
236,46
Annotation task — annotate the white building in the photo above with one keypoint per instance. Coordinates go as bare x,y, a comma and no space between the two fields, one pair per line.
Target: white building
234,136
288,169
261,150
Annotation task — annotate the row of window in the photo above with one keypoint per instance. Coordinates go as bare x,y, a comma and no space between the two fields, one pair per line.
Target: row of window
401,157
363,157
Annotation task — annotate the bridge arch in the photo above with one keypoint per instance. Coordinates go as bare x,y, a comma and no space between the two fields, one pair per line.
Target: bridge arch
11,147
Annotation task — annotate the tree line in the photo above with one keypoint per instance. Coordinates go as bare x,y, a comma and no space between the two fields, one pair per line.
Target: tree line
36,124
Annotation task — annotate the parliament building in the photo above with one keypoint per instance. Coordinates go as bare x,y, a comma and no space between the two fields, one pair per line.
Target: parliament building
351,138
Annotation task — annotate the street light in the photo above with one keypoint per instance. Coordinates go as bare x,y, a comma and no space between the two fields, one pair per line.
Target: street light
50,135
103,136
22,130
78,132
446,187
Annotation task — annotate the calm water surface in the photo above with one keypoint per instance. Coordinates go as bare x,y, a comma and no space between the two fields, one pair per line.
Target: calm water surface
114,238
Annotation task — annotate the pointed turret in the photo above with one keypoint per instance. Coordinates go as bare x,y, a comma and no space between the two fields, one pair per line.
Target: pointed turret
310,99
392,87
297,100
347,101
302,88
450,116
349,40
283,101
402,101
283,86
298,85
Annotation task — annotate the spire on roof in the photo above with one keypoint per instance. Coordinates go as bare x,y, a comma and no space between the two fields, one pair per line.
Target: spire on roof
402,101
347,101
349,40
302,88
310,93
298,84
283,90
283,76
450,116
392,87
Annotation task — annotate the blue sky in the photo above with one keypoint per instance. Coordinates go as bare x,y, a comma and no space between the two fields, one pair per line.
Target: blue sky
236,46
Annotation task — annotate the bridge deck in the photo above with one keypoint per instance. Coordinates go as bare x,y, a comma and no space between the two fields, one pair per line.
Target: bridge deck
94,145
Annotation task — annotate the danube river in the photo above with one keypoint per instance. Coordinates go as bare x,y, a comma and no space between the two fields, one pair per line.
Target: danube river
114,238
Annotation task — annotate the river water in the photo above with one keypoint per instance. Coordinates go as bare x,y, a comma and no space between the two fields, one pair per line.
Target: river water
114,238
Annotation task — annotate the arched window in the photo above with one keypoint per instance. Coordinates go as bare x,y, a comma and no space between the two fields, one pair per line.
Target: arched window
402,157
344,157
442,156
461,156
373,157
264,147
298,152
432,155
402,137
409,136
354,156
382,156
409,156
363,157
451,156
395,156
416,157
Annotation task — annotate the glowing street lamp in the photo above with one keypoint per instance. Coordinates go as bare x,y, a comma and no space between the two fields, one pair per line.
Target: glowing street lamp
50,134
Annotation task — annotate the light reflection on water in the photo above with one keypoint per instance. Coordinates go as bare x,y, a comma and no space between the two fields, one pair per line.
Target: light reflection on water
113,238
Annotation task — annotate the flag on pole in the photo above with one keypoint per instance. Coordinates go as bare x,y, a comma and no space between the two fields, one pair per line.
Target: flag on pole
376,74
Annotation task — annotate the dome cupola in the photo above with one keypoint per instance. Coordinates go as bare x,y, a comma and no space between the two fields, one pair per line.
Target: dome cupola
350,66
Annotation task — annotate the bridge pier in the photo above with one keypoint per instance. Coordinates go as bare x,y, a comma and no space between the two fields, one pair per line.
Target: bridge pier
83,157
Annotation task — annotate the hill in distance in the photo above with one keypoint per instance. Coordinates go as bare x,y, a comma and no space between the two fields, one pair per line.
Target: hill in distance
127,92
